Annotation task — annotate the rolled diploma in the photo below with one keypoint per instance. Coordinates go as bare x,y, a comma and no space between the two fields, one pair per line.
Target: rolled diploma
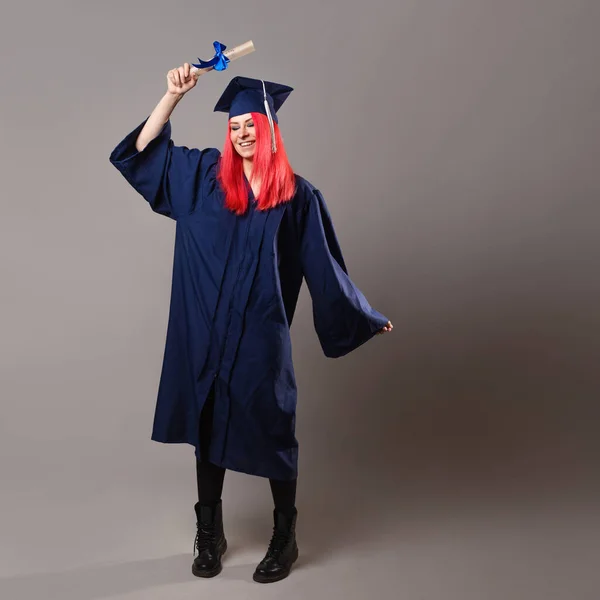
232,54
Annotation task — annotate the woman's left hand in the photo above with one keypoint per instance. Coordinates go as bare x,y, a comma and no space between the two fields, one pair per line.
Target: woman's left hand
386,328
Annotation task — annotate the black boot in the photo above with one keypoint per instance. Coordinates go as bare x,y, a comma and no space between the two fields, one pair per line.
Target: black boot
282,552
210,540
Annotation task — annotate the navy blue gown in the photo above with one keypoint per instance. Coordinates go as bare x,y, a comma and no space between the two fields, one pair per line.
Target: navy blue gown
236,281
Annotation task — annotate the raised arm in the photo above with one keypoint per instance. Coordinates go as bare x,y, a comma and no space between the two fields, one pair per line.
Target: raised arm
179,82
173,179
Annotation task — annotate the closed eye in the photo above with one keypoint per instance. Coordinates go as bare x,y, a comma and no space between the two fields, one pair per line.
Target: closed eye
236,127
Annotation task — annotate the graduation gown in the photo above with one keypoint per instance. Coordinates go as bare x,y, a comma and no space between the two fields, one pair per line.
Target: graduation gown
235,285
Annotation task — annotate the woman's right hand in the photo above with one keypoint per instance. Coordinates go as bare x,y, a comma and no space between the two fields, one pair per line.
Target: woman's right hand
180,80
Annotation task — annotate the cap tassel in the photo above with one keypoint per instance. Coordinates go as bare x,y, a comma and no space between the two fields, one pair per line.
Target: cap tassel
270,117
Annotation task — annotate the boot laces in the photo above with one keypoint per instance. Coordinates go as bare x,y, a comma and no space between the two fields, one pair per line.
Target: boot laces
205,536
278,542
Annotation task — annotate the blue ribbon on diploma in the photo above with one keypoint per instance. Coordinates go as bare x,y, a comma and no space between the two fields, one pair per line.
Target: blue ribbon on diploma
218,61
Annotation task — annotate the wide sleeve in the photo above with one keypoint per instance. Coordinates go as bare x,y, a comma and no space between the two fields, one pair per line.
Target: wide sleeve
343,318
173,179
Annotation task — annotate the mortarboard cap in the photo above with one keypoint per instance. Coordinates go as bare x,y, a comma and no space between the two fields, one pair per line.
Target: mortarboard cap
244,95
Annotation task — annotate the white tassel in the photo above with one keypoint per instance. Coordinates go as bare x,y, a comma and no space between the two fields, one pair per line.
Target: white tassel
270,117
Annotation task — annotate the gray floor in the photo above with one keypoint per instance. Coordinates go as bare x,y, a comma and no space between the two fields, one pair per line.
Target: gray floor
435,540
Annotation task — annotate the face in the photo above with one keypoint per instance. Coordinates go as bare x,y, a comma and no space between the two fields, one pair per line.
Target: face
242,135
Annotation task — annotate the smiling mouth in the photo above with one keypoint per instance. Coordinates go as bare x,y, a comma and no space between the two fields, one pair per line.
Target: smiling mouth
246,144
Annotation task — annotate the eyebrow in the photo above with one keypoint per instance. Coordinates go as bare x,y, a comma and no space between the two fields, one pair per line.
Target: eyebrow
236,123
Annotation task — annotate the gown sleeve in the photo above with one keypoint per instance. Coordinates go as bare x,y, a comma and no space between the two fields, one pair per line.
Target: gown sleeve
171,178
343,318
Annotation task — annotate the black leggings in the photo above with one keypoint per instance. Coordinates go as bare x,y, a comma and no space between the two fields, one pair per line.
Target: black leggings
210,477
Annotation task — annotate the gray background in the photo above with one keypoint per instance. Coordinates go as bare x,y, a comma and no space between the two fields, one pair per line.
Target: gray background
457,144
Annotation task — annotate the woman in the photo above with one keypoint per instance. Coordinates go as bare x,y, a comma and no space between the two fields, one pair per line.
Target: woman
248,231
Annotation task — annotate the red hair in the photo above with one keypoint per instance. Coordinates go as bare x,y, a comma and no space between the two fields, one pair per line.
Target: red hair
273,170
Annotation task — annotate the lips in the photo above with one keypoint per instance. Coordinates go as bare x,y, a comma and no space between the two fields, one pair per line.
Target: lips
246,144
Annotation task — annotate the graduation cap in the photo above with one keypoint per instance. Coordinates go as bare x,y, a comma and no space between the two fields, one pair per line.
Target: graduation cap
245,95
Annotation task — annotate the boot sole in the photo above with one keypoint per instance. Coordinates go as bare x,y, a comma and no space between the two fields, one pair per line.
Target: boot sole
265,579
213,572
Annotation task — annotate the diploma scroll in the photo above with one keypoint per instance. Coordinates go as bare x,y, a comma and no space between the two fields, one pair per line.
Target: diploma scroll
232,54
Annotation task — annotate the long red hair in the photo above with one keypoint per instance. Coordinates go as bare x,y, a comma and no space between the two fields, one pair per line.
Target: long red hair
273,170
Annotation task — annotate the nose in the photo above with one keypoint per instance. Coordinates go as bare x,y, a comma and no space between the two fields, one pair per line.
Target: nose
243,132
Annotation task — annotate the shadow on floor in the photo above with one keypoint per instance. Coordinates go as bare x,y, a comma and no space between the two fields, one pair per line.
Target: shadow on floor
108,580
